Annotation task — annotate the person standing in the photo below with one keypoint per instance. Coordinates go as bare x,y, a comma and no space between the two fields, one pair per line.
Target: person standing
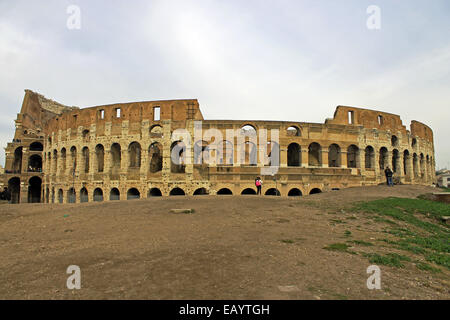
388,172
258,184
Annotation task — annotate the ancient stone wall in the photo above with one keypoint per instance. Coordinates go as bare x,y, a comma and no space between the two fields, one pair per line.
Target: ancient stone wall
123,151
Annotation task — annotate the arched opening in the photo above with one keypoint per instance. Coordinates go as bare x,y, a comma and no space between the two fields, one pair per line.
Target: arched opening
414,143
177,192
315,190
154,192
85,153
47,195
14,190
63,160
156,157
116,156
17,164
295,192
353,156
250,154
114,194
73,160
35,163
85,134
294,155
415,165
293,131
60,196
84,195
71,197
394,141
36,146
225,153
34,190
334,156
134,155
98,195
156,131
273,154
406,163
248,191
200,192
177,154
314,154
55,161
273,192
53,195
224,191
248,130
100,157
383,162
422,165
133,194
201,152
369,157
395,160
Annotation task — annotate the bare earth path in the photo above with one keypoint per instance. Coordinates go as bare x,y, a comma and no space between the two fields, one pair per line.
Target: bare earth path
232,247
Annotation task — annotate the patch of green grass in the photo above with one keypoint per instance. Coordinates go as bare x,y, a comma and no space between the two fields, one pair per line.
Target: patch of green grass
347,233
361,243
425,266
390,259
337,221
287,241
444,189
411,228
342,247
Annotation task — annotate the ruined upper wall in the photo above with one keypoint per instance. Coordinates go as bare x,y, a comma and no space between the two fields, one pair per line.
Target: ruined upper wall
373,119
135,112
35,113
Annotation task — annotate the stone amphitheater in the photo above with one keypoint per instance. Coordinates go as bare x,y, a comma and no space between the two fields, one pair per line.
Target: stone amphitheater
63,154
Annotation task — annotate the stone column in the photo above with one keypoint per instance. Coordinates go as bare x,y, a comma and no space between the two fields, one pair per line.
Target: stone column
25,156
344,159
324,158
304,156
283,157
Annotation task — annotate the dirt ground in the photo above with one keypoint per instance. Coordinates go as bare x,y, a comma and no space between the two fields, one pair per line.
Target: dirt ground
232,247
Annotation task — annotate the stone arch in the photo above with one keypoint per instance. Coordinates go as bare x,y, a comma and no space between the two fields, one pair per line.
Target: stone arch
63,160
98,195
14,189
55,161
406,163
383,161
273,153
225,152
248,191
422,165
334,156
60,196
272,192
71,196
177,155
177,192
314,154
295,192
315,191
34,190
36,146
73,156
353,157
134,155
250,154
369,157
85,154
114,194
201,152
133,194
394,141
154,192
395,160
415,164
116,158
156,131
224,191
200,191
100,158
84,197
35,163
156,157
294,155
293,131
17,164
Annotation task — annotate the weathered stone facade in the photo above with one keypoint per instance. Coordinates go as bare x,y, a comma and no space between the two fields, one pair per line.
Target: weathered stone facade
122,151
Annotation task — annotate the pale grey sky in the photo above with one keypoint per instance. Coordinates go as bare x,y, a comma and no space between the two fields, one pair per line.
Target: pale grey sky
254,59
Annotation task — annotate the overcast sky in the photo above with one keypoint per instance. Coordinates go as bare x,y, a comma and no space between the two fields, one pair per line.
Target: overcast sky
252,59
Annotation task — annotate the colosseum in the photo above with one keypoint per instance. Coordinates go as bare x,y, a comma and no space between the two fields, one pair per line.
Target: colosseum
63,154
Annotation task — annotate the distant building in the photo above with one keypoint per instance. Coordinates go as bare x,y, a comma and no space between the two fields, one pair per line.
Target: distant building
444,180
